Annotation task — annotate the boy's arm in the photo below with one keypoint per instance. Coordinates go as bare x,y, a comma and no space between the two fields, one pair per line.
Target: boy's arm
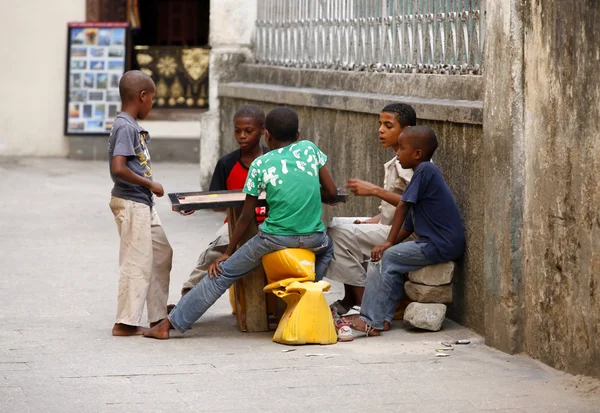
364,188
120,170
328,188
244,220
395,231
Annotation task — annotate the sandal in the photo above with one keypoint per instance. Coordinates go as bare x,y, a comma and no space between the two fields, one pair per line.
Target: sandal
355,310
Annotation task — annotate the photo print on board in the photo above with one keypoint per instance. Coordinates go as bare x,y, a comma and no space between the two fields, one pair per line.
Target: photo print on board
88,80
116,52
100,110
112,111
96,65
78,51
75,82
91,36
87,111
76,126
114,80
77,95
77,37
97,51
104,37
78,64
95,95
74,110
101,81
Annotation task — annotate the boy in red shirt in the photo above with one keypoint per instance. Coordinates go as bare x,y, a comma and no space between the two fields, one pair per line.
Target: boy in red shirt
230,174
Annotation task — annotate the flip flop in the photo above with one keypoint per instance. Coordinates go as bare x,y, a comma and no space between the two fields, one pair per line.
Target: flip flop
355,310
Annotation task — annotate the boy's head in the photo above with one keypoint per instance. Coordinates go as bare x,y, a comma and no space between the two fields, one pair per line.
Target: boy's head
281,125
393,119
249,125
137,92
416,145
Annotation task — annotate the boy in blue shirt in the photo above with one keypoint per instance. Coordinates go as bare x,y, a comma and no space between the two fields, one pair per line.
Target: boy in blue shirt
427,208
295,179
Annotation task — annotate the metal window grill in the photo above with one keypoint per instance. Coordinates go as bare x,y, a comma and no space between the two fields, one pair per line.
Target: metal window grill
397,36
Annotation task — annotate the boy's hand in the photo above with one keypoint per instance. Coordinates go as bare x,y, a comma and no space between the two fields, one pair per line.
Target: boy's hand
377,252
361,188
157,189
367,221
214,270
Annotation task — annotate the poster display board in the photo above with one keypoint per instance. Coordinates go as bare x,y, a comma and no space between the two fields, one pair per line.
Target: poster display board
96,60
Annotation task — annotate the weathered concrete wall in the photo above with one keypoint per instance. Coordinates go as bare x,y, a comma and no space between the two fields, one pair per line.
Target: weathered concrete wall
350,140
503,182
562,217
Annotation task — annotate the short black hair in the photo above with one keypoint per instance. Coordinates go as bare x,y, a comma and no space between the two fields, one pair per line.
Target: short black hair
282,123
251,111
423,138
132,83
405,114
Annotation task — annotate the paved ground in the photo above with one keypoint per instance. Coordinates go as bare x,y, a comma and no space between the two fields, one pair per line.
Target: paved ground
58,279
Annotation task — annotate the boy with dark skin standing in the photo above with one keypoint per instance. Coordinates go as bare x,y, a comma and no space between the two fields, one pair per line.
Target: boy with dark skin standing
230,174
428,208
294,177
145,255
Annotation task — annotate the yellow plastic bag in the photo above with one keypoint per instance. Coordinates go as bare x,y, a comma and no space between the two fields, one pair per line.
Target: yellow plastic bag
285,266
307,318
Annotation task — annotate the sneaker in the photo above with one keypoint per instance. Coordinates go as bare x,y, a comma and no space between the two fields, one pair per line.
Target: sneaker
345,334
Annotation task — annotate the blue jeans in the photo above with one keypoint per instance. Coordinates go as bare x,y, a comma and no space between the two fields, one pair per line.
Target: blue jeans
385,286
195,303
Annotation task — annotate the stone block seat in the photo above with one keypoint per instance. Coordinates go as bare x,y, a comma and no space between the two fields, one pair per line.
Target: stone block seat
430,289
307,319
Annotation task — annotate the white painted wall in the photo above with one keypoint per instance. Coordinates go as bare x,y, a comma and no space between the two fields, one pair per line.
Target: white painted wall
33,44
172,129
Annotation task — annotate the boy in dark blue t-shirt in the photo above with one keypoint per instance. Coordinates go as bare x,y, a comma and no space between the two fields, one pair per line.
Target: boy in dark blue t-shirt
427,208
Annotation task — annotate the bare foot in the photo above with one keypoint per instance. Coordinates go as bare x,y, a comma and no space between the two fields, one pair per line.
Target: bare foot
350,318
155,323
125,330
387,325
360,325
160,330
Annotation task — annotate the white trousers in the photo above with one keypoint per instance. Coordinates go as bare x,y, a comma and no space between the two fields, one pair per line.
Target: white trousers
145,259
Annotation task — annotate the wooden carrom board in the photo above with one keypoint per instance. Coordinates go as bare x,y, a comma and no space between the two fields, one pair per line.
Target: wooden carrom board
189,201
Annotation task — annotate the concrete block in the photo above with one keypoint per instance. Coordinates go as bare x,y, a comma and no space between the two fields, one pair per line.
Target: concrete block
439,274
425,316
428,294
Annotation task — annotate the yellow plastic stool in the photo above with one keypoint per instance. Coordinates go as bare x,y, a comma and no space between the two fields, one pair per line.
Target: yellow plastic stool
307,318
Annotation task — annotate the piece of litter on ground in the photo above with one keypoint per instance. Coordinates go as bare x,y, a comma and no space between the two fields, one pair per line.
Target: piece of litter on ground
446,344
462,342
442,354
314,355
444,349
287,350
